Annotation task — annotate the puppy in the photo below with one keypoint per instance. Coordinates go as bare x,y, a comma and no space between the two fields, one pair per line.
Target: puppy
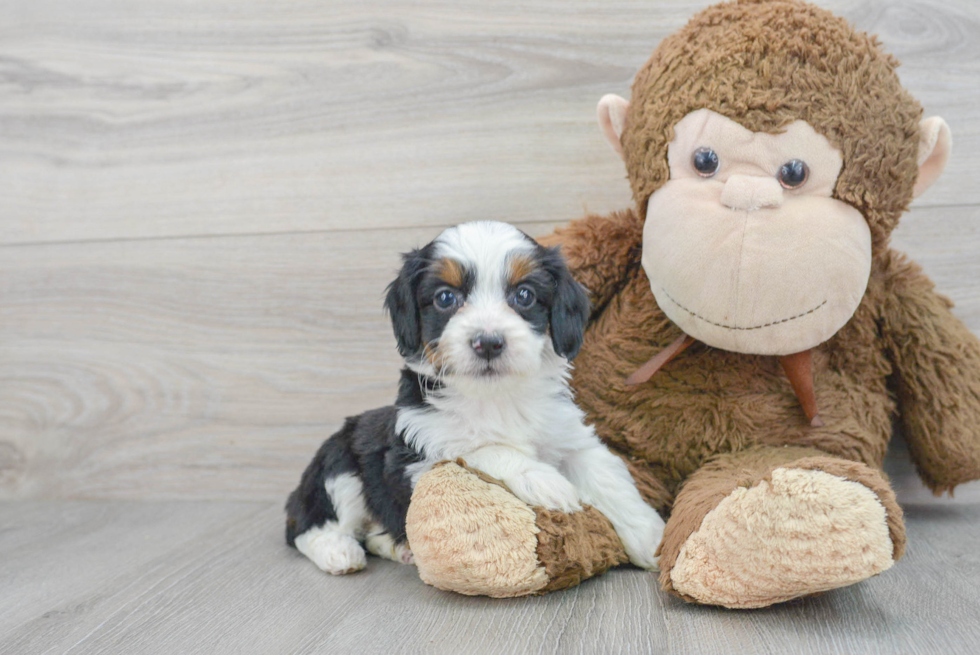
487,321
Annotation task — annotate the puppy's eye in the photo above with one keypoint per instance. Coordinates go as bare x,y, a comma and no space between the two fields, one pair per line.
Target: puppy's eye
705,162
445,299
524,297
793,174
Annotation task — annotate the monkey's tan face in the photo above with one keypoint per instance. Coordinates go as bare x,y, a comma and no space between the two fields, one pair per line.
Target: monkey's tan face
744,246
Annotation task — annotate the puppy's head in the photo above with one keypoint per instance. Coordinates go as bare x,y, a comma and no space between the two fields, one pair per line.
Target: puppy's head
485,301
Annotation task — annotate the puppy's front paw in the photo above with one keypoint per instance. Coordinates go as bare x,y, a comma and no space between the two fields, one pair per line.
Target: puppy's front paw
641,539
547,488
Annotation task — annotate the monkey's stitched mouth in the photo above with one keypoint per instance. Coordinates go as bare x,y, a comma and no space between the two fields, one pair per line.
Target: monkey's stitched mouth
735,327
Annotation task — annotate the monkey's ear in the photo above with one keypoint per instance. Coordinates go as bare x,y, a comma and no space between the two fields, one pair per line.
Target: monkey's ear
611,114
935,143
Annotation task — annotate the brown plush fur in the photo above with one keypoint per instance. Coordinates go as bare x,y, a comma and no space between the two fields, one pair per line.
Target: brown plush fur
937,375
712,421
571,547
488,553
575,547
765,64
717,479
902,342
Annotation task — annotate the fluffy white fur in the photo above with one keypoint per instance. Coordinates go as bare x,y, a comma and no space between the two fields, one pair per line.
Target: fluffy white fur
335,547
520,424
511,416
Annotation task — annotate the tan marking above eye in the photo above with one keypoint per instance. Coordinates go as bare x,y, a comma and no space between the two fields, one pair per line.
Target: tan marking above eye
451,272
519,267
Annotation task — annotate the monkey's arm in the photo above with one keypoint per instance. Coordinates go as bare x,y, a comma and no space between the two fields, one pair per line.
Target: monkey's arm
937,376
600,250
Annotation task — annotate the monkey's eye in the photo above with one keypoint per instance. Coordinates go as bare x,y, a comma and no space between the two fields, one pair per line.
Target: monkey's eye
705,162
793,174
444,300
524,297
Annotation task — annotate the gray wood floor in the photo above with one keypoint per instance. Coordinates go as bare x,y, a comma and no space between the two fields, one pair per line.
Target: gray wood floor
184,577
200,204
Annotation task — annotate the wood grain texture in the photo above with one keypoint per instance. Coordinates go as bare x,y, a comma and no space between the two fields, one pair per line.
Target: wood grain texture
213,367
135,577
200,205
126,120
190,368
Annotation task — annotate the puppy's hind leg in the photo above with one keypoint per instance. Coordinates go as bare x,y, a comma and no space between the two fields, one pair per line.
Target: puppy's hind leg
334,546
379,542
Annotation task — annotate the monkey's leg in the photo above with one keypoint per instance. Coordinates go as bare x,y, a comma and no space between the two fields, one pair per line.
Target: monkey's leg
769,524
471,535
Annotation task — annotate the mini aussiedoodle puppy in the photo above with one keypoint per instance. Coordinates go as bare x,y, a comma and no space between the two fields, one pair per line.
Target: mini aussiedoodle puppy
487,321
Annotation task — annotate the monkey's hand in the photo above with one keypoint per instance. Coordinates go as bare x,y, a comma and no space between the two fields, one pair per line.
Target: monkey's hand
937,367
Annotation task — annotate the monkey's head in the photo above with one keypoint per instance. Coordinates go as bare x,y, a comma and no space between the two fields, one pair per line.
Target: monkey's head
771,149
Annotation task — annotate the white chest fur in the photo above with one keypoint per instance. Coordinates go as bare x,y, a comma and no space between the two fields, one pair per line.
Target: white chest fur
530,416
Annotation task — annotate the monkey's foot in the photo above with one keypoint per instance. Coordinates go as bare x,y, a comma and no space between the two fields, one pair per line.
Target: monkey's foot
797,531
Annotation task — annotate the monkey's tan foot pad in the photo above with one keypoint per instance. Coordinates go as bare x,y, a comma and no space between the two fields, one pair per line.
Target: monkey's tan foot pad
471,535
796,533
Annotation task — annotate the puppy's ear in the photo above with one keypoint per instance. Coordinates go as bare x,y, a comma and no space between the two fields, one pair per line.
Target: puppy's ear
402,304
569,307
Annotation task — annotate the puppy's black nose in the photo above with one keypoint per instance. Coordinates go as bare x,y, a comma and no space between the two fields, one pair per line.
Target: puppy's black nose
488,346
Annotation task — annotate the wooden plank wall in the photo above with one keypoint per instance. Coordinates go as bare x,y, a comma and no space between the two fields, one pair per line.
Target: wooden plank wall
201,202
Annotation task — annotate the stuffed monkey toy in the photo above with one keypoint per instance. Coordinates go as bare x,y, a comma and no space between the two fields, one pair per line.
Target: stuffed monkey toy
753,335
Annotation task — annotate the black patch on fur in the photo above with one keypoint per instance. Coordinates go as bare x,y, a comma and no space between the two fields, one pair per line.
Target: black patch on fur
410,301
569,309
413,388
368,447
402,301
309,505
